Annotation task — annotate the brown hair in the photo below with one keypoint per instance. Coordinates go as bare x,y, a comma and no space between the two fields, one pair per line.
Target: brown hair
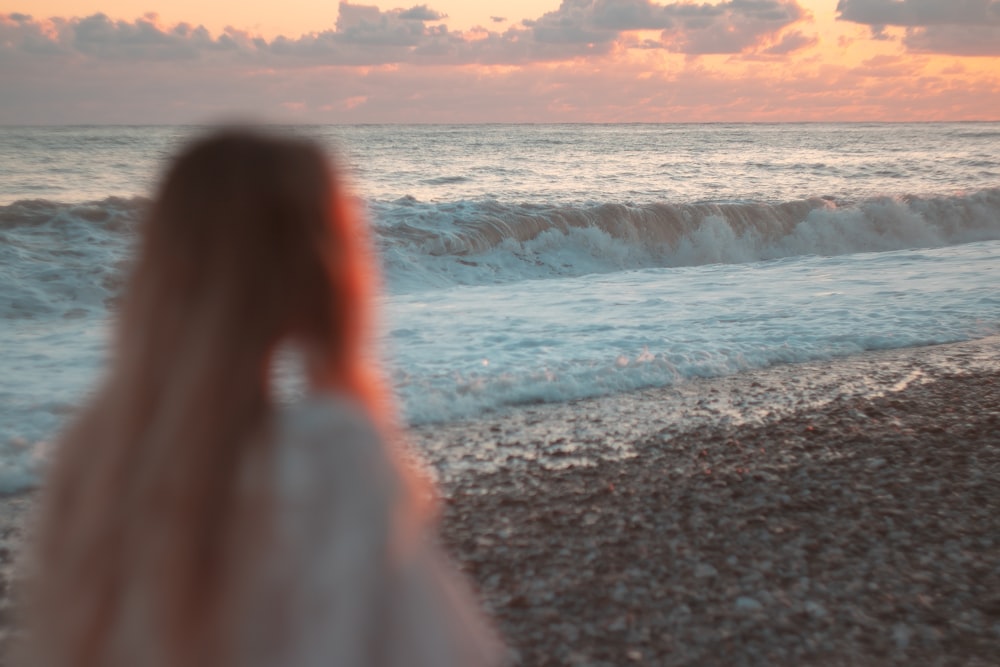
249,242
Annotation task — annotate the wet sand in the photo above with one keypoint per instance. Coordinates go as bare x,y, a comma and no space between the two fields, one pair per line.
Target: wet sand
839,513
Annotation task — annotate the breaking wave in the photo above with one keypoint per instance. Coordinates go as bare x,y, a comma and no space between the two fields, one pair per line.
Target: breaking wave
488,242
67,259
64,260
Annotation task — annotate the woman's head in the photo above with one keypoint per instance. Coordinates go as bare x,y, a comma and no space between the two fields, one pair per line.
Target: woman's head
250,240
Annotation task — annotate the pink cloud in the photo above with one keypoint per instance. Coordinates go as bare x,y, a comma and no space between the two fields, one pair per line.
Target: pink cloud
366,35
400,66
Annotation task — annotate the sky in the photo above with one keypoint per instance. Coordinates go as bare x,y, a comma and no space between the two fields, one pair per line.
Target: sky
443,61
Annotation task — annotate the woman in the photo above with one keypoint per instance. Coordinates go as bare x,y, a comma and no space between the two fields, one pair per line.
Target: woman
191,520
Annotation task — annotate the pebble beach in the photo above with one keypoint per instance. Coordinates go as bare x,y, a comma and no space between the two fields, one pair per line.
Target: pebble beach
864,531
729,522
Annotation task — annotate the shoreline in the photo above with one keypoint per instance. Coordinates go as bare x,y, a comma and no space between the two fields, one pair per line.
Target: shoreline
592,430
830,513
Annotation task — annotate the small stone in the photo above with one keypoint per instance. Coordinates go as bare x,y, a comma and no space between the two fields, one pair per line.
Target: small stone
684,610
815,609
747,603
704,571
901,633
765,597
618,625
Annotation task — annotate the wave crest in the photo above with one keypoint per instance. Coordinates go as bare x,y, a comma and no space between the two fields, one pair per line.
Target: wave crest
114,214
482,242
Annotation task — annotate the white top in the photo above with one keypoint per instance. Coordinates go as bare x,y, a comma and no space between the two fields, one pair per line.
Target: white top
341,587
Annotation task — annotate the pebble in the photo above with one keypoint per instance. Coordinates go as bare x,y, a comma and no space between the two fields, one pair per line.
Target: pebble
815,609
746,603
901,634
704,571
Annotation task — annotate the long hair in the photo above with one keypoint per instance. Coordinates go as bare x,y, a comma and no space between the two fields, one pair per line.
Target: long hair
249,242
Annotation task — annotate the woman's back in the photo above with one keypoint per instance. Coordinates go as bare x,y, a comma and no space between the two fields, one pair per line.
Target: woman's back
346,581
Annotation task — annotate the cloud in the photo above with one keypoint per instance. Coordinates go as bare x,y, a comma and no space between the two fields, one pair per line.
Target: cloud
498,19
695,29
588,60
101,38
368,25
22,34
964,27
973,40
880,34
366,35
884,67
790,42
598,90
570,24
142,39
620,15
421,13
920,12
729,27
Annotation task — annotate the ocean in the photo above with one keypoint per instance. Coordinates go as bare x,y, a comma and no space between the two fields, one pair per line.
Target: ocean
529,264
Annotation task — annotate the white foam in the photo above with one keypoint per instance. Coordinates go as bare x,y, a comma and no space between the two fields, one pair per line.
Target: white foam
563,338
489,243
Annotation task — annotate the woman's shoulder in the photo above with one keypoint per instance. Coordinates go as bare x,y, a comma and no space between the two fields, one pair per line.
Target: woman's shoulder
324,419
323,414
325,439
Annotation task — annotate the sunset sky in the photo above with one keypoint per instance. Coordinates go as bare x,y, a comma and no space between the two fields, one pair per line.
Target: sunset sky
183,61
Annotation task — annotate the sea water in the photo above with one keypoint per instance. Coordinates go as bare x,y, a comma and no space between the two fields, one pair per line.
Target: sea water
544,263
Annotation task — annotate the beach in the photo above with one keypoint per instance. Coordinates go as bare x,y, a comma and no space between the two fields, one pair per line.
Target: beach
725,396
864,531
728,521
